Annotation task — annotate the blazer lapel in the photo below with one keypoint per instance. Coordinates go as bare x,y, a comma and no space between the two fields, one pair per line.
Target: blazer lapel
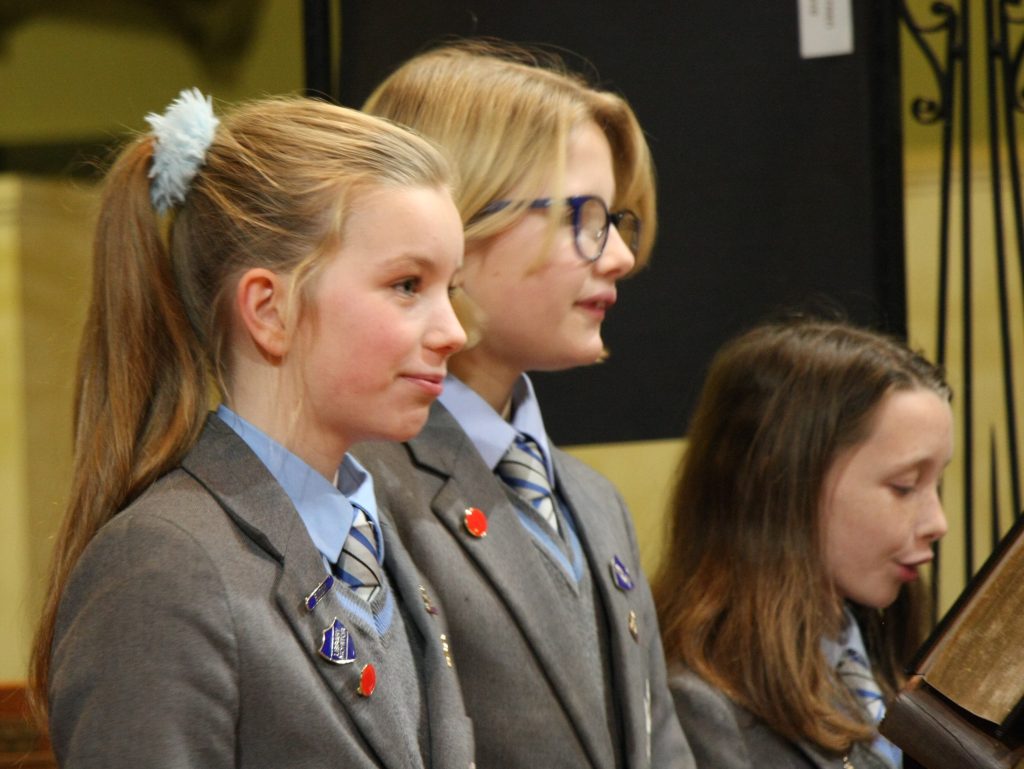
511,562
224,464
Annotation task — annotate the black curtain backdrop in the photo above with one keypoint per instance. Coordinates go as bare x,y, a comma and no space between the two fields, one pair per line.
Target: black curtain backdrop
779,178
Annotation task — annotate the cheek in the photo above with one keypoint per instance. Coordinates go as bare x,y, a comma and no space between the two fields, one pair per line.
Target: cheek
348,350
874,536
856,528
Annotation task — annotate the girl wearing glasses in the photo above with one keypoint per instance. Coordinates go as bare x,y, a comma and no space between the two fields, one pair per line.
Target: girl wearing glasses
553,626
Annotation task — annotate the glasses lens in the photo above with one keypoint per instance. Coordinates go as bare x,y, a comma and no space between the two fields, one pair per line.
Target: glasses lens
591,228
628,225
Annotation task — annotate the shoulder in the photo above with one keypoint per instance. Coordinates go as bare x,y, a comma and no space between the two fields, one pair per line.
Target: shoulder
584,486
696,700
723,734
175,522
442,451
380,457
567,464
710,721
176,511
597,503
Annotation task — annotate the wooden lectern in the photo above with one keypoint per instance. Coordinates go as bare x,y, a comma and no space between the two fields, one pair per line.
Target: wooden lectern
963,707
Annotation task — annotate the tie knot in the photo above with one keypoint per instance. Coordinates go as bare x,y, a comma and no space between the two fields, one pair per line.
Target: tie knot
524,471
359,565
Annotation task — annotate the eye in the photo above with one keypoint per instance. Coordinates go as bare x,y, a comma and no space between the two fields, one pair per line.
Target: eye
901,489
454,289
408,286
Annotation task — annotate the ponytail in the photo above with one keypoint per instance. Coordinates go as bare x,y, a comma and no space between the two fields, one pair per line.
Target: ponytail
140,389
266,187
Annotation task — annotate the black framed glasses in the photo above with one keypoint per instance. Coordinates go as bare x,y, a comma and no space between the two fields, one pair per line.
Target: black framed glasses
591,222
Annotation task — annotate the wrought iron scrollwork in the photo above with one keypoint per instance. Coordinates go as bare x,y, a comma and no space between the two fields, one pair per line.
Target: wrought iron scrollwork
950,110
929,111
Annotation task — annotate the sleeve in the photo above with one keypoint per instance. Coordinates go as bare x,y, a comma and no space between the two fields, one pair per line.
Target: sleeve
144,660
709,721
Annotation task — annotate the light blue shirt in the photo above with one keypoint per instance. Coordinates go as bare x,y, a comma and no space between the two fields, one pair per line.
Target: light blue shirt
851,638
485,427
325,509
492,436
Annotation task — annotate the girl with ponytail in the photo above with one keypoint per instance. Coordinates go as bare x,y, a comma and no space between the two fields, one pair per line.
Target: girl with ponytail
293,262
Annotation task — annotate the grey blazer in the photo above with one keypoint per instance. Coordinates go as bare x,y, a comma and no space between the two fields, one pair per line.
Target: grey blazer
526,688
725,736
183,638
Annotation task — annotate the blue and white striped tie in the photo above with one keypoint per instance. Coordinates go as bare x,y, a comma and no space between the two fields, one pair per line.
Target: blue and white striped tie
359,563
523,469
855,672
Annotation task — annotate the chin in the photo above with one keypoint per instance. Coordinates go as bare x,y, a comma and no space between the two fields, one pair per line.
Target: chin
878,601
587,356
409,429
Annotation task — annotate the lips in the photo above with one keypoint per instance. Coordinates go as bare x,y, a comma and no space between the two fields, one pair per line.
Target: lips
430,383
909,570
599,302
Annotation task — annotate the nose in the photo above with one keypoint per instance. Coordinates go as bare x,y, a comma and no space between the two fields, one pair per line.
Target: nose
616,260
446,335
932,525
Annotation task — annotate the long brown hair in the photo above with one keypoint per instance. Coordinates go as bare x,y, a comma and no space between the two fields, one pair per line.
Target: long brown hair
274,191
741,593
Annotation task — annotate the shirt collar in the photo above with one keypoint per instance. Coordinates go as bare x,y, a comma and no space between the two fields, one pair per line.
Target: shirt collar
849,638
325,510
491,434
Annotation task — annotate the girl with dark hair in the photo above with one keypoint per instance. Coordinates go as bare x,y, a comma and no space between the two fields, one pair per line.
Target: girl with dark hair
807,503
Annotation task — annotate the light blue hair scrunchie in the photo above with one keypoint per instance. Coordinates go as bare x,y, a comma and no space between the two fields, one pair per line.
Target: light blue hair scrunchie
183,135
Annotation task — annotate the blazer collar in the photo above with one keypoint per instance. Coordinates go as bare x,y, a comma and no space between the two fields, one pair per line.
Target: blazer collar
510,561
232,474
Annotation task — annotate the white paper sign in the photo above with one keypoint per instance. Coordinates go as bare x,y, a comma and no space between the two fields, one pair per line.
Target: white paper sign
826,27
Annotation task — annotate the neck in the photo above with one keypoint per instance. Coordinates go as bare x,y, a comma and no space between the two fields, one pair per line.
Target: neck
263,399
491,381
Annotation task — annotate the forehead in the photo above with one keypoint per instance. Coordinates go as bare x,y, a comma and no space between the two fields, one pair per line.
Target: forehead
908,427
413,223
588,166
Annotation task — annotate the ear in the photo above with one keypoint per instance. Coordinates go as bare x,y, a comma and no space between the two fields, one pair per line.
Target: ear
261,298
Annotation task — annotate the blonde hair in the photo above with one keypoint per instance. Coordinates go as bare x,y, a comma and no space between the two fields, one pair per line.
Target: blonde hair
504,114
741,595
274,191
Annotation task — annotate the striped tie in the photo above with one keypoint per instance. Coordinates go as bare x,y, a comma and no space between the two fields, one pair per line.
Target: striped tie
359,564
523,469
855,672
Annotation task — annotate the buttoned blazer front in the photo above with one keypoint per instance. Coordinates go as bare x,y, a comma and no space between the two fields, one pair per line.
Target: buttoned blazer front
726,736
532,700
183,639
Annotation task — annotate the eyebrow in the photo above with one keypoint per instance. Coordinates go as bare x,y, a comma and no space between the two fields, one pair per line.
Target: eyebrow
413,260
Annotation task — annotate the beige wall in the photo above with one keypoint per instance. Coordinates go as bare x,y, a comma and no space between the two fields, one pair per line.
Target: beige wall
44,248
62,80
14,539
